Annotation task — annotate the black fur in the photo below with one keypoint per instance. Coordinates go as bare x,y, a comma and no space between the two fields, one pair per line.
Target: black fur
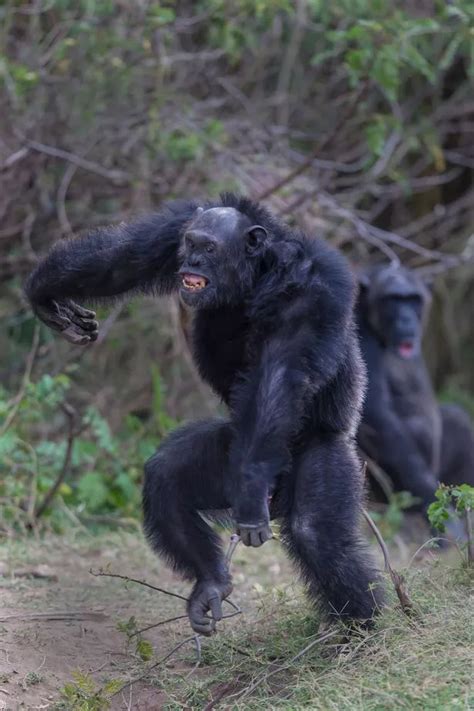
417,443
274,336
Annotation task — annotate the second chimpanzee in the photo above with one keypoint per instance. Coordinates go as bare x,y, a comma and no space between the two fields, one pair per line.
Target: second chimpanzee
416,442
274,336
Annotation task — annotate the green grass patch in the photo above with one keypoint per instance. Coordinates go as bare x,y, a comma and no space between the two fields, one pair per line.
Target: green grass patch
423,665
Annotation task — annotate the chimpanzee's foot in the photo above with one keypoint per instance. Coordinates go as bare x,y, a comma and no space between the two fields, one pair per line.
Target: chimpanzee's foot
207,595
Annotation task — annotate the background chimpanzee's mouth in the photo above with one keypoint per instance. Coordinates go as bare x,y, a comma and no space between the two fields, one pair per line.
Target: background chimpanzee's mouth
406,349
194,282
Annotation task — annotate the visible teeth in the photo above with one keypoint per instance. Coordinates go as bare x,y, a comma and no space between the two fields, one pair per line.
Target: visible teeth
193,285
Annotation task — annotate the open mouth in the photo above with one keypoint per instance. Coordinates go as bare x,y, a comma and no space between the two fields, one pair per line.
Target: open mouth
194,282
406,349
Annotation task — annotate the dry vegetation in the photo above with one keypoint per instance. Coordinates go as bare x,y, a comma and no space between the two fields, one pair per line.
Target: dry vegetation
353,120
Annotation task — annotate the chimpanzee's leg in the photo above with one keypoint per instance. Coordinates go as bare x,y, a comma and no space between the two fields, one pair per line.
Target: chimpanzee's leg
322,529
457,446
184,477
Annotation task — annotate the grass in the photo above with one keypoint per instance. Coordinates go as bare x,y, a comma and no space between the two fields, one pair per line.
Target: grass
423,665
255,660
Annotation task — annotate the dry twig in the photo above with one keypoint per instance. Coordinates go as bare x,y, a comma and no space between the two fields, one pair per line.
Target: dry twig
103,574
397,579
73,431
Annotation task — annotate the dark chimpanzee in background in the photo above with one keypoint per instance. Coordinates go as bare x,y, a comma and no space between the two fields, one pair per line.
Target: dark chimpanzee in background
414,440
274,336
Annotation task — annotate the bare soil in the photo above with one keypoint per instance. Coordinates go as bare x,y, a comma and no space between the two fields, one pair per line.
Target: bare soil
57,619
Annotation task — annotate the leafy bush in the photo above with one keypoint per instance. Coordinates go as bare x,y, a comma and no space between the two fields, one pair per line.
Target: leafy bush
461,497
45,442
454,501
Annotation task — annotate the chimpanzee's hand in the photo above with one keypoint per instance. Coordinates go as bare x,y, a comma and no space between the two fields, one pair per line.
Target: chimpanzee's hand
254,534
207,595
76,324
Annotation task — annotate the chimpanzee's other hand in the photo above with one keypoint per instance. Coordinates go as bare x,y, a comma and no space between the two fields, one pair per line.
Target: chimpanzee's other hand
207,595
76,324
254,535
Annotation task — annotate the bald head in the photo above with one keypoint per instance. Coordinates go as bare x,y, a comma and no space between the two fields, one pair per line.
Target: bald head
395,280
218,223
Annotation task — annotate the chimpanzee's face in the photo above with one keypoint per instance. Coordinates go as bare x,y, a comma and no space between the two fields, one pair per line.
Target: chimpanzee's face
218,257
397,302
401,317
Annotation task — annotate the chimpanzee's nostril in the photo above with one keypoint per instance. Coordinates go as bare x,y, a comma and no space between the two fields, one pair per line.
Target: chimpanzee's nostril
194,260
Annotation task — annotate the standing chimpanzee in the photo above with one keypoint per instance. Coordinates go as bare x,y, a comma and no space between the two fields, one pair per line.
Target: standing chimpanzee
416,442
274,336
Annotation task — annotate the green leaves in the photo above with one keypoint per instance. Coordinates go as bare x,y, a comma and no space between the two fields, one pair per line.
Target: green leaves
461,498
144,650
105,469
92,491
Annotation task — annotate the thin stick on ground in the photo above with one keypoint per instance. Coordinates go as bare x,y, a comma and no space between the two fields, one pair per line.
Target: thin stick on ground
435,539
158,624
103,574
159,662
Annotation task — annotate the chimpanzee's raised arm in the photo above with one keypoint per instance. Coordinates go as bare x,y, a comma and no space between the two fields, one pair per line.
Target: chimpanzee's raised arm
108,262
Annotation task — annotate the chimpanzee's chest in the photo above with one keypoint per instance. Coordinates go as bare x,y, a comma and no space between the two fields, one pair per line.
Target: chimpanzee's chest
414,402
220,340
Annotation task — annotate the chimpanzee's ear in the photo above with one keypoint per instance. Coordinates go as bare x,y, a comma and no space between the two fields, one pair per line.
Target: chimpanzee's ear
199,211
256,237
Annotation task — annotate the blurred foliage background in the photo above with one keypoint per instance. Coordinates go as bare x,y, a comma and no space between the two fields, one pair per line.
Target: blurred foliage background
352,119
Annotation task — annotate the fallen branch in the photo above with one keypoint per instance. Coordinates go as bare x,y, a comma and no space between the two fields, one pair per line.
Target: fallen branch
102,574
158,624
58,616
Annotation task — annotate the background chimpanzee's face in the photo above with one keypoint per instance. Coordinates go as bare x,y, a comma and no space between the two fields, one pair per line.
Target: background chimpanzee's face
218,254
401,320
397,302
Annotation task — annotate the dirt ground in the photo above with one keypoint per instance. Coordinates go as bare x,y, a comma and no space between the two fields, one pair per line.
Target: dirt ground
57,619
